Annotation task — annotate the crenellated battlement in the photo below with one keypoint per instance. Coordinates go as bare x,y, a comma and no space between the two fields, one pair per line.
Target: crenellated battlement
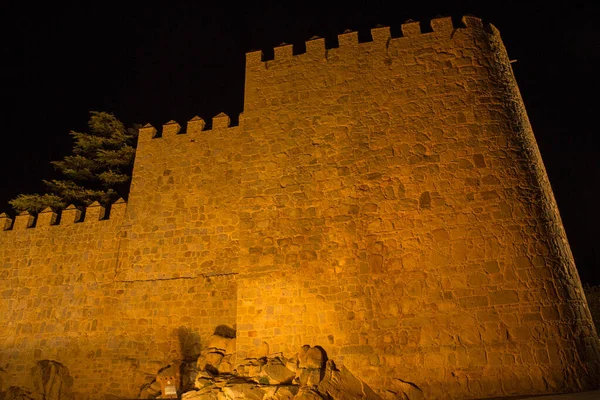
443,26
194,126
94,213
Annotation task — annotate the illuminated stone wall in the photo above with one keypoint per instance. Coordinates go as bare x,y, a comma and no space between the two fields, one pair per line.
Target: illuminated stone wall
62,299
385,200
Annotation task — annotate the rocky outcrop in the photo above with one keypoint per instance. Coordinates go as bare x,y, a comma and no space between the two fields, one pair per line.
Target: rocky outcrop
308,375
50,380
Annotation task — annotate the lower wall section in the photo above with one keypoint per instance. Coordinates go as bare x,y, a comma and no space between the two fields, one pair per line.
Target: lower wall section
112,336
390,330
393,329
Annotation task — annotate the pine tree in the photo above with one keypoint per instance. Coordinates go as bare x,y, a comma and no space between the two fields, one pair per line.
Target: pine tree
99,168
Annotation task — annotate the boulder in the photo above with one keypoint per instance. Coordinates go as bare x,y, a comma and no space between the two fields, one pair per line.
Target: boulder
315,358
251,368
276,373
212,359
218,342
308,377
311,363
292,363
226,366
285,392
231,347
202,383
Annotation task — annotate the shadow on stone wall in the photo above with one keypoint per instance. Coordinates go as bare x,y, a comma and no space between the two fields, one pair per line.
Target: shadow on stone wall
189,344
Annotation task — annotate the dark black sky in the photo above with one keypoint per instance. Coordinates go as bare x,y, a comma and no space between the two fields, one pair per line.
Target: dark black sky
153,63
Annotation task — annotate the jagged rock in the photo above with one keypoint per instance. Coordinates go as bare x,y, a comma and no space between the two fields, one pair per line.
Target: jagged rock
150,390
311,363
292,363
244,390
189,372
269,391
306,376
285,392
307,394
226,366
276,374
343,385
191,395
251,368
201,383
218,342
197,395
204,379
210,361
218,347
52,380
231,346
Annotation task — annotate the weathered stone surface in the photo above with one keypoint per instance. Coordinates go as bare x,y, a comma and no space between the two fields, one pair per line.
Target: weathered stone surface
244,391
276,373
406,390
197,395
342,385
226,366
211,359
307,394
285,392
309,376
311,357
218,342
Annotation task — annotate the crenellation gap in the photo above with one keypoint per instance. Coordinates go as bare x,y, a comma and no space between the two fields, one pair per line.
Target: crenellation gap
268,54
425,25
299,48
365,36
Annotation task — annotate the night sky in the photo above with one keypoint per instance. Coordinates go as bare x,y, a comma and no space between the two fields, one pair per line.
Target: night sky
149,63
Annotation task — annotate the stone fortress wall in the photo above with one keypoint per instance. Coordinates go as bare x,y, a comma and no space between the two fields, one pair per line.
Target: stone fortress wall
385,200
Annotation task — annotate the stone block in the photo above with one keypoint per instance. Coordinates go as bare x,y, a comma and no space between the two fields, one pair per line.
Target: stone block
504,297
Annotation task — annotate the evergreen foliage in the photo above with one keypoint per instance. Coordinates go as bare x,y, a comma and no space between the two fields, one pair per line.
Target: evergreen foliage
99,168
